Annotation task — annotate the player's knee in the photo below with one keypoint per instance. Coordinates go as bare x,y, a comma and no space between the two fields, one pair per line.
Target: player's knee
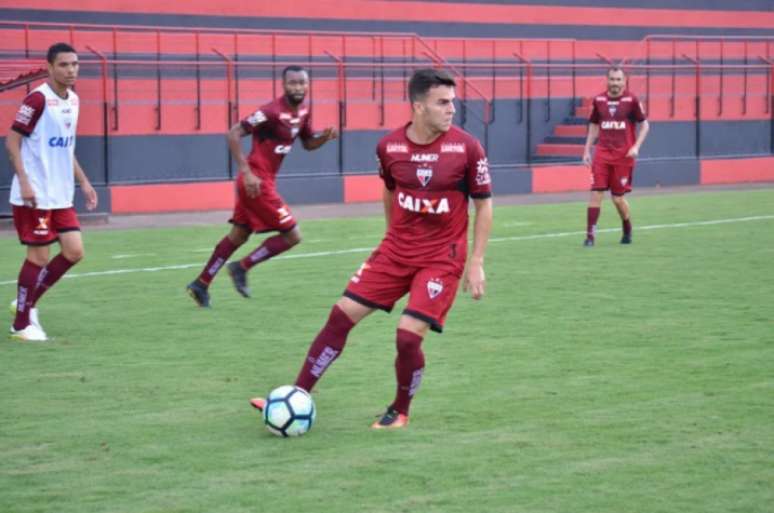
74,255
238,236
293,237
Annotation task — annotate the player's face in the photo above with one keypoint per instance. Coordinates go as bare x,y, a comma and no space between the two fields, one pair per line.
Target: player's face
436,110
296,84
64,70
616,81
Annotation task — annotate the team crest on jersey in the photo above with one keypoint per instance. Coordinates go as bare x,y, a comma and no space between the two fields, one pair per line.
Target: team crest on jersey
434,288
424,174
624,180
612,108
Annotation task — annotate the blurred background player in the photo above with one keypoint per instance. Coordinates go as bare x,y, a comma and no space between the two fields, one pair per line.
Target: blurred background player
430,170
41,148
259,208
614,118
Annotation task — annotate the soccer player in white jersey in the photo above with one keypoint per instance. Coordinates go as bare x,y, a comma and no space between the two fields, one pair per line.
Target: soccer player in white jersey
41,147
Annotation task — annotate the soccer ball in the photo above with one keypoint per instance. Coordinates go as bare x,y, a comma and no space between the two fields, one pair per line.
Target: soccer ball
289,411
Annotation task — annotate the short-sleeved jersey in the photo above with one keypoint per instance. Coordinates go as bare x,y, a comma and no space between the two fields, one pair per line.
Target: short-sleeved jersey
48,124
274,127
617,119
431,185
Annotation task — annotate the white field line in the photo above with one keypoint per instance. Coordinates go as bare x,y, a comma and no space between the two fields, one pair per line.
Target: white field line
369,249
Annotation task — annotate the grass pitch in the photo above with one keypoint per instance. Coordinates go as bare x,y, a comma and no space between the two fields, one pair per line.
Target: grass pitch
614,379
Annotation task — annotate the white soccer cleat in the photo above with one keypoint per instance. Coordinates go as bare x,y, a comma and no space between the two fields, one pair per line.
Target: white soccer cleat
29,334
34,319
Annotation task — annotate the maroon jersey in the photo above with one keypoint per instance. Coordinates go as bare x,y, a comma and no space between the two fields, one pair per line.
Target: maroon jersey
274,127
431,185
617,119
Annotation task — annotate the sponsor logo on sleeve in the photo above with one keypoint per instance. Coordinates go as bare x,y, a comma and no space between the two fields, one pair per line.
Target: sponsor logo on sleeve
397,148
256,118
24,114
482,172
453,148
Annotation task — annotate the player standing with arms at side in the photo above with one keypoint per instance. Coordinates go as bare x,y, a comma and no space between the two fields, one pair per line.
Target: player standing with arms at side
614,118
259,207
41,148
430,170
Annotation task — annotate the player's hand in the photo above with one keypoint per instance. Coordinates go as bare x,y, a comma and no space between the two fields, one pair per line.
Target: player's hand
633,152
587,158
330,134
252,184
475,280
91,196
28,194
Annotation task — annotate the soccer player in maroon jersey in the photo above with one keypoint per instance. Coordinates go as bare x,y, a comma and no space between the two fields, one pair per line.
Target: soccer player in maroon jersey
259,208
430,170
41,148
614,118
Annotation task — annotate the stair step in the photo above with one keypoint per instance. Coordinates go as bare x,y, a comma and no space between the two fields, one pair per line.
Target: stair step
563,150
553,159
575,120
570,130
563,139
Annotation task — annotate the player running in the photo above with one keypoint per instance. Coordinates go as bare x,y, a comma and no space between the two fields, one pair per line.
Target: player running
259,208
614,118
430,170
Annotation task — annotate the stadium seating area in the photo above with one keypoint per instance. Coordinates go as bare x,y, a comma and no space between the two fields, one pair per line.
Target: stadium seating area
161,84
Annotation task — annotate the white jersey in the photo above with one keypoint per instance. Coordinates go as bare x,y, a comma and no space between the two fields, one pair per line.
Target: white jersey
48,124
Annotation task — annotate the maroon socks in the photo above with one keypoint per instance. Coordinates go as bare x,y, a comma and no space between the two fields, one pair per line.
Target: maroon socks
409,366
325,349
223,250
25,290
270,247
592,216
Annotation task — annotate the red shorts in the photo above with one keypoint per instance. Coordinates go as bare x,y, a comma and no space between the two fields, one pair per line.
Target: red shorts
42,227
381,282
267,212
616,177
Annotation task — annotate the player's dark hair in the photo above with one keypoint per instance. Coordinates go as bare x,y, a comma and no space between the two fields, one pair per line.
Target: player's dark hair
425,79
292,68
615,69
56,49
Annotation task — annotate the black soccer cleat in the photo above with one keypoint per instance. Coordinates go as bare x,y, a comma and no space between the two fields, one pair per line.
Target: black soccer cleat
239,278
588,243
626,239
198,291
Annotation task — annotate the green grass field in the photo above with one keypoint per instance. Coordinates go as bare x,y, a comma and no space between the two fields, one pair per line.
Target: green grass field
608,380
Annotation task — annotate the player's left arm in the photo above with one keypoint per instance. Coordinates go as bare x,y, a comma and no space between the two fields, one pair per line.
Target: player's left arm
314,141
475,279
88,191
644,128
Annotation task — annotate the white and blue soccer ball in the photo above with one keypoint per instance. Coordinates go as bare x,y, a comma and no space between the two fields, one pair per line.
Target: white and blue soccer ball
289,411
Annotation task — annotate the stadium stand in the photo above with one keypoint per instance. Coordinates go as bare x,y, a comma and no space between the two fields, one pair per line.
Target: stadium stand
160,84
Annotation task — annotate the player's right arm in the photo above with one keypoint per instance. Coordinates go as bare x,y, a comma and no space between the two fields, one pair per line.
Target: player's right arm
591,137
13,143
252,183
